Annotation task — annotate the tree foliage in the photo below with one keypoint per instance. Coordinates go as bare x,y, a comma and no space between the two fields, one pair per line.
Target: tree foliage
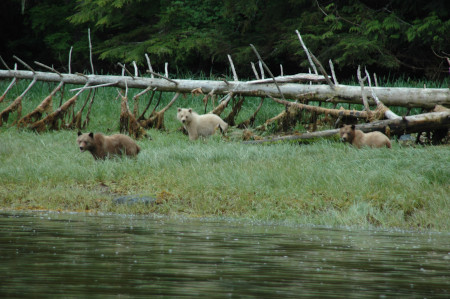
197,35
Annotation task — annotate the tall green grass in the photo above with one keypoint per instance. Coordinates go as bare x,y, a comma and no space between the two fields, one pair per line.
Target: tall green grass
324,183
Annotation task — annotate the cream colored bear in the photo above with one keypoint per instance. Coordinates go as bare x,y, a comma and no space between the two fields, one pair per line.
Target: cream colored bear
200,125
358,138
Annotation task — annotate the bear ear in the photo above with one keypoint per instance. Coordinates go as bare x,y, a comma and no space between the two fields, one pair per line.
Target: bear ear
79,133
190,110
353,127
91,135
179,109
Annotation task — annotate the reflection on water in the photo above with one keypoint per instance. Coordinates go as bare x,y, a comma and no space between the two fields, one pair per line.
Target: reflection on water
72,255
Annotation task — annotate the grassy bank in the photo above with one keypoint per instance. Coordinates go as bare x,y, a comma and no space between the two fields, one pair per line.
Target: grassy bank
324,183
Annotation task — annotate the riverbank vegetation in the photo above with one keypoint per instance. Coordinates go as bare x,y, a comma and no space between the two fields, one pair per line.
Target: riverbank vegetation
322,183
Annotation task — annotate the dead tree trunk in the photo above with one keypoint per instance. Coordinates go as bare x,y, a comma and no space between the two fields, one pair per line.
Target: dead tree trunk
390,96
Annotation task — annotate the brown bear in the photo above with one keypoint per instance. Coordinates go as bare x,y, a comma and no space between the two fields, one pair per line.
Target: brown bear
102,146
358,138
200,125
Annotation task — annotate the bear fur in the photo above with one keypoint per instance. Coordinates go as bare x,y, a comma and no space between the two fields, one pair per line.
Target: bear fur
358,138
200,125
101,146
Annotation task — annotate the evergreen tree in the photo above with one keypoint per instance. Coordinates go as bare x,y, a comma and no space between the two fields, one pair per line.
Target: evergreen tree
196,35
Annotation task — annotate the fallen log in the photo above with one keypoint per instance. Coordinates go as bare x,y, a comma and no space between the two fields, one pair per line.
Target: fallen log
405,125
390,96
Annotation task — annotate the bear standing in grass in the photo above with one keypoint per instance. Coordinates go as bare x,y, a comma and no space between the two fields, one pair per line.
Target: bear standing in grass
358,138
200,125
102,146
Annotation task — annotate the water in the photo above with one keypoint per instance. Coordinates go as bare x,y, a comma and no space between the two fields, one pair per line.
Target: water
71,255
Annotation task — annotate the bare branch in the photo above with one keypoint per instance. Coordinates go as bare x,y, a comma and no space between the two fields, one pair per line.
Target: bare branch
136,72
142,116
233,69
267,69
70,59
49,68
82,75
322,70
307,52
14,81
90,50
81,90
22,62
164,77
254,70
4,63
363,94
386,111
149,66
332,72
125,69
96,86
261,70
29,87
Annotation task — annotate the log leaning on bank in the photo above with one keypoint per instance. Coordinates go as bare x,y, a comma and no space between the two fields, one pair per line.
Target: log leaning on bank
426,98
404,125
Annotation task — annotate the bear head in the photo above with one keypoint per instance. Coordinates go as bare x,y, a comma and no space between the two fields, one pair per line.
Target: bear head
184,115
86,141
347,133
